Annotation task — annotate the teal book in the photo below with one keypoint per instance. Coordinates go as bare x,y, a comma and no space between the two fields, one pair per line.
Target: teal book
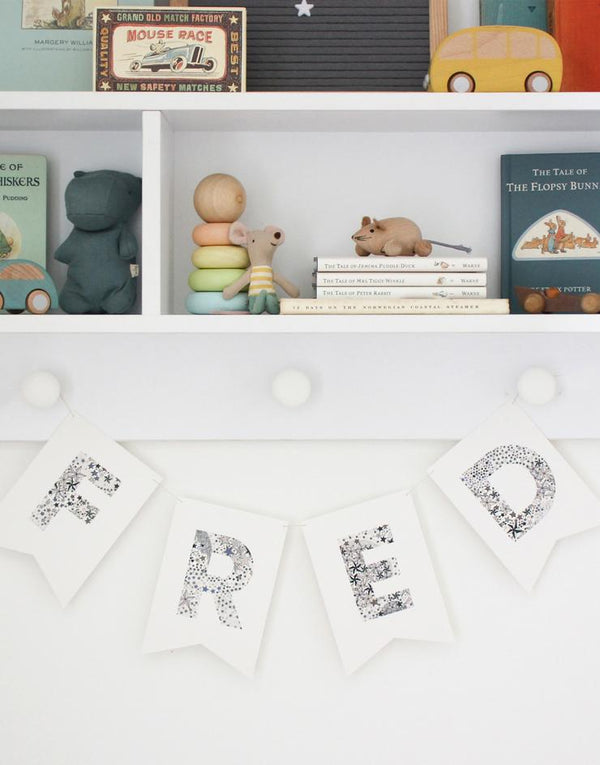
47,44
550,218
23,180
518,13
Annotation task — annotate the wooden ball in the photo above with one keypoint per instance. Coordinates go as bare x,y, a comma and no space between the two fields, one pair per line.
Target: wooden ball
220,198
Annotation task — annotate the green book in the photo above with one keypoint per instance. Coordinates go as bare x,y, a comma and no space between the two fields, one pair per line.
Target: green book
516,13
550,212
47,44
23,207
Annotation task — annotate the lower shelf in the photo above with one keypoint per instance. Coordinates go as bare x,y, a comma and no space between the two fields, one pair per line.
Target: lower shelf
184,324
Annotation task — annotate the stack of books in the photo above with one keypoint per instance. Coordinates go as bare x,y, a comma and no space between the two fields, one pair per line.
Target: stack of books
404,284
400,277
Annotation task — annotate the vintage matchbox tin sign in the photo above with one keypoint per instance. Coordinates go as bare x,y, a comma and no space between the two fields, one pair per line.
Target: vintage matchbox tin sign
174,50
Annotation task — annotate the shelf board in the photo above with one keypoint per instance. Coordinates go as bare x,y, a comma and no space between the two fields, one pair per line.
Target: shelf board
508,324
349,112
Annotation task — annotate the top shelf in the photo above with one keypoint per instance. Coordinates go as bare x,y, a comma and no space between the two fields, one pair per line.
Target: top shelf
342,112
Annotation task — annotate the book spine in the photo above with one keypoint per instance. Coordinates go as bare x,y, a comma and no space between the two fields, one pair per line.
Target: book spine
401,263
439,306
402,292
505,253
386,279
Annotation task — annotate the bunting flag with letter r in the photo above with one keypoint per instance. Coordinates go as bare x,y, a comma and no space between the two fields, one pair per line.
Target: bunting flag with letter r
376,577
216,582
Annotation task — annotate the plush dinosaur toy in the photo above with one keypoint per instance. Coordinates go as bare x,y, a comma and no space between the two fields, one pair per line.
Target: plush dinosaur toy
100,251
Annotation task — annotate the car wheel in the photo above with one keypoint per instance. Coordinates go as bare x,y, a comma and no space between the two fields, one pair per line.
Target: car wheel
209,64
178,64
135,66
15,310
590,303
1,301
38,301
461,82
535,302
538,82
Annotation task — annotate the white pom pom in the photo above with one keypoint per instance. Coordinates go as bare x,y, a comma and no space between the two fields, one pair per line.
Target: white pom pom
537,386
291,387
41,389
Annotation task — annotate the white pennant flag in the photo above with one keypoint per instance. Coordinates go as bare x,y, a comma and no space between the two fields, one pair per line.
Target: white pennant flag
216,582
376,577
516,490
73,502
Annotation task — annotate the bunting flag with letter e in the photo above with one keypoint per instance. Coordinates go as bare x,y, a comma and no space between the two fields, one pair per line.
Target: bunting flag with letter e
216,583
516,491
376,577
73,502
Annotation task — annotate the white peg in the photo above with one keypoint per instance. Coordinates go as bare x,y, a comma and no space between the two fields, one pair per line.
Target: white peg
41,389
291,387
537,385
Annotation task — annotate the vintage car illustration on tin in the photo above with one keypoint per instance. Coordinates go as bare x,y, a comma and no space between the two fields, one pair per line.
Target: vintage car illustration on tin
176,59
25,285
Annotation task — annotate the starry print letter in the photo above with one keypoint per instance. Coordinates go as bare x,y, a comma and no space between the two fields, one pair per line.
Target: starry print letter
64,495
516,524
198,581
362,575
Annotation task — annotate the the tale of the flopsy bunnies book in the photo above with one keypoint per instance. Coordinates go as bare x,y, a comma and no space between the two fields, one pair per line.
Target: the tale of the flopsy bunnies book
550,223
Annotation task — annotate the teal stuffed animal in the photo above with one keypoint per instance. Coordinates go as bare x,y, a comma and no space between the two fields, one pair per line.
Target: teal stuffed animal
101,250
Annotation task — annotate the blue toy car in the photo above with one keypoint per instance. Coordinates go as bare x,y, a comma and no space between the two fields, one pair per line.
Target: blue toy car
25,285
176,59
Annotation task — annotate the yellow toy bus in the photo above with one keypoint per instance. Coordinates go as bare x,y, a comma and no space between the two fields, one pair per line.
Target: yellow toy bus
496,59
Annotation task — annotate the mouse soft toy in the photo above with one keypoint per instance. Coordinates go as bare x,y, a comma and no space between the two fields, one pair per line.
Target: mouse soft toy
260,277
100,251
394,236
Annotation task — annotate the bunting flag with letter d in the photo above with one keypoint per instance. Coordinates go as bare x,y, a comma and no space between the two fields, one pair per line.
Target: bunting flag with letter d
376,577
216,582
516,491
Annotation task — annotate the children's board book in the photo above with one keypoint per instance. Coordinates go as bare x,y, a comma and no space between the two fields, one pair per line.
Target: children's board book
23,207
516,13
550,223
47,44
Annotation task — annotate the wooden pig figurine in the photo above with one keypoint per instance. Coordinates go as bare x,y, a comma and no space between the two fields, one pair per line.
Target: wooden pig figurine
390,236
261,246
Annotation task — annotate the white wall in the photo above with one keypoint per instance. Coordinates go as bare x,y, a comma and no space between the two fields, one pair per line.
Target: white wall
519,684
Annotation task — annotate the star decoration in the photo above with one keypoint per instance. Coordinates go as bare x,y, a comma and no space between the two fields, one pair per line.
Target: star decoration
233,88
106,18
233,20
304,8
105,85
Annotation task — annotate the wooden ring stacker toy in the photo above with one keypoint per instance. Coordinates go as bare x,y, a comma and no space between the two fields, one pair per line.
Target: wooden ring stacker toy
221,257
214,302
211,233
214,279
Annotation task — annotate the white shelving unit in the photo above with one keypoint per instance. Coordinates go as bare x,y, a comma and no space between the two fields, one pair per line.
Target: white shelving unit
314,164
